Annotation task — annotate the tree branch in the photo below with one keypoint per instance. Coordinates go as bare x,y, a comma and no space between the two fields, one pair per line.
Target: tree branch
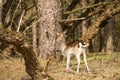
68,20
90,6
70,7
32,64
19,24
97,25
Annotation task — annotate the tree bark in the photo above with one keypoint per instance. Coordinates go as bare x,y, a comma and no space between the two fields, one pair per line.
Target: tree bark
110,39
34,41
50,12
33,67
6,17
0,13
85,23
102,41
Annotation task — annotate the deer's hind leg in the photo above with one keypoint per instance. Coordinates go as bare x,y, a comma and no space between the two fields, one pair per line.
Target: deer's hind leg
68,61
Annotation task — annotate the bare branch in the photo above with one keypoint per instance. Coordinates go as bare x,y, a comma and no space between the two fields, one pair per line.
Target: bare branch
90,6
97,25
68,20
20,20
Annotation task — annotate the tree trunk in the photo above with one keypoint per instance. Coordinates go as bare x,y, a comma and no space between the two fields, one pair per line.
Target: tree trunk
33,67
0,13
6,17
85,23
102,41
109,42
49,13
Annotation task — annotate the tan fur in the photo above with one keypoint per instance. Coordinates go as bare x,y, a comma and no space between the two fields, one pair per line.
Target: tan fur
76,48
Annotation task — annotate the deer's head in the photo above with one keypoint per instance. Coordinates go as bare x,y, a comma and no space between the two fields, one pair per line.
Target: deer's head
61,36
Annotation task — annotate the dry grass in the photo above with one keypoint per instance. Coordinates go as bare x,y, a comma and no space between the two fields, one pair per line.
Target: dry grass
102,67
13,69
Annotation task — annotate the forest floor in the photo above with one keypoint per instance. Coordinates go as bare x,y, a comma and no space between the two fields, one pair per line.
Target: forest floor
102,67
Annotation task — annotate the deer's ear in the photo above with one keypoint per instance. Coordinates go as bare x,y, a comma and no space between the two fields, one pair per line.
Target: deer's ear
65,35
65,31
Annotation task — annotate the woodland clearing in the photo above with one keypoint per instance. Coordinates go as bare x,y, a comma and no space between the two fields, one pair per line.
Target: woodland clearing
103,66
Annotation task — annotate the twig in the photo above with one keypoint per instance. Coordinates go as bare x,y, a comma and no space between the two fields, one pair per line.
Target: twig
20,20
68,20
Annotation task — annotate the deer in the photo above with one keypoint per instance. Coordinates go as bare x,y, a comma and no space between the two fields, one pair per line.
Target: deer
77,48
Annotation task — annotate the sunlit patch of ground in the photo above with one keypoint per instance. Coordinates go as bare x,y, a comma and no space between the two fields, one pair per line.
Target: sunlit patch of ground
12,69
102,67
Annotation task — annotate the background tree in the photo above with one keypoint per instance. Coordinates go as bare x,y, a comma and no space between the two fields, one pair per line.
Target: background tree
91,12
110,39
116,34
18,15
1,12
49,14
102,40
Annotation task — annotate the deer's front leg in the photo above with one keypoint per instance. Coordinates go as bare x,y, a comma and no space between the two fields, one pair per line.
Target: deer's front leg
85,60
68,61
78,60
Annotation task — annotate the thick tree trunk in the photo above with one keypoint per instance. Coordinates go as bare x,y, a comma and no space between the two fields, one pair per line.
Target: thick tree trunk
102,41
50,12
99,23
33,67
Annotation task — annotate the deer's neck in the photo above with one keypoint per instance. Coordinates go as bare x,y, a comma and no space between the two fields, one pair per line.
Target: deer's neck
63,46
